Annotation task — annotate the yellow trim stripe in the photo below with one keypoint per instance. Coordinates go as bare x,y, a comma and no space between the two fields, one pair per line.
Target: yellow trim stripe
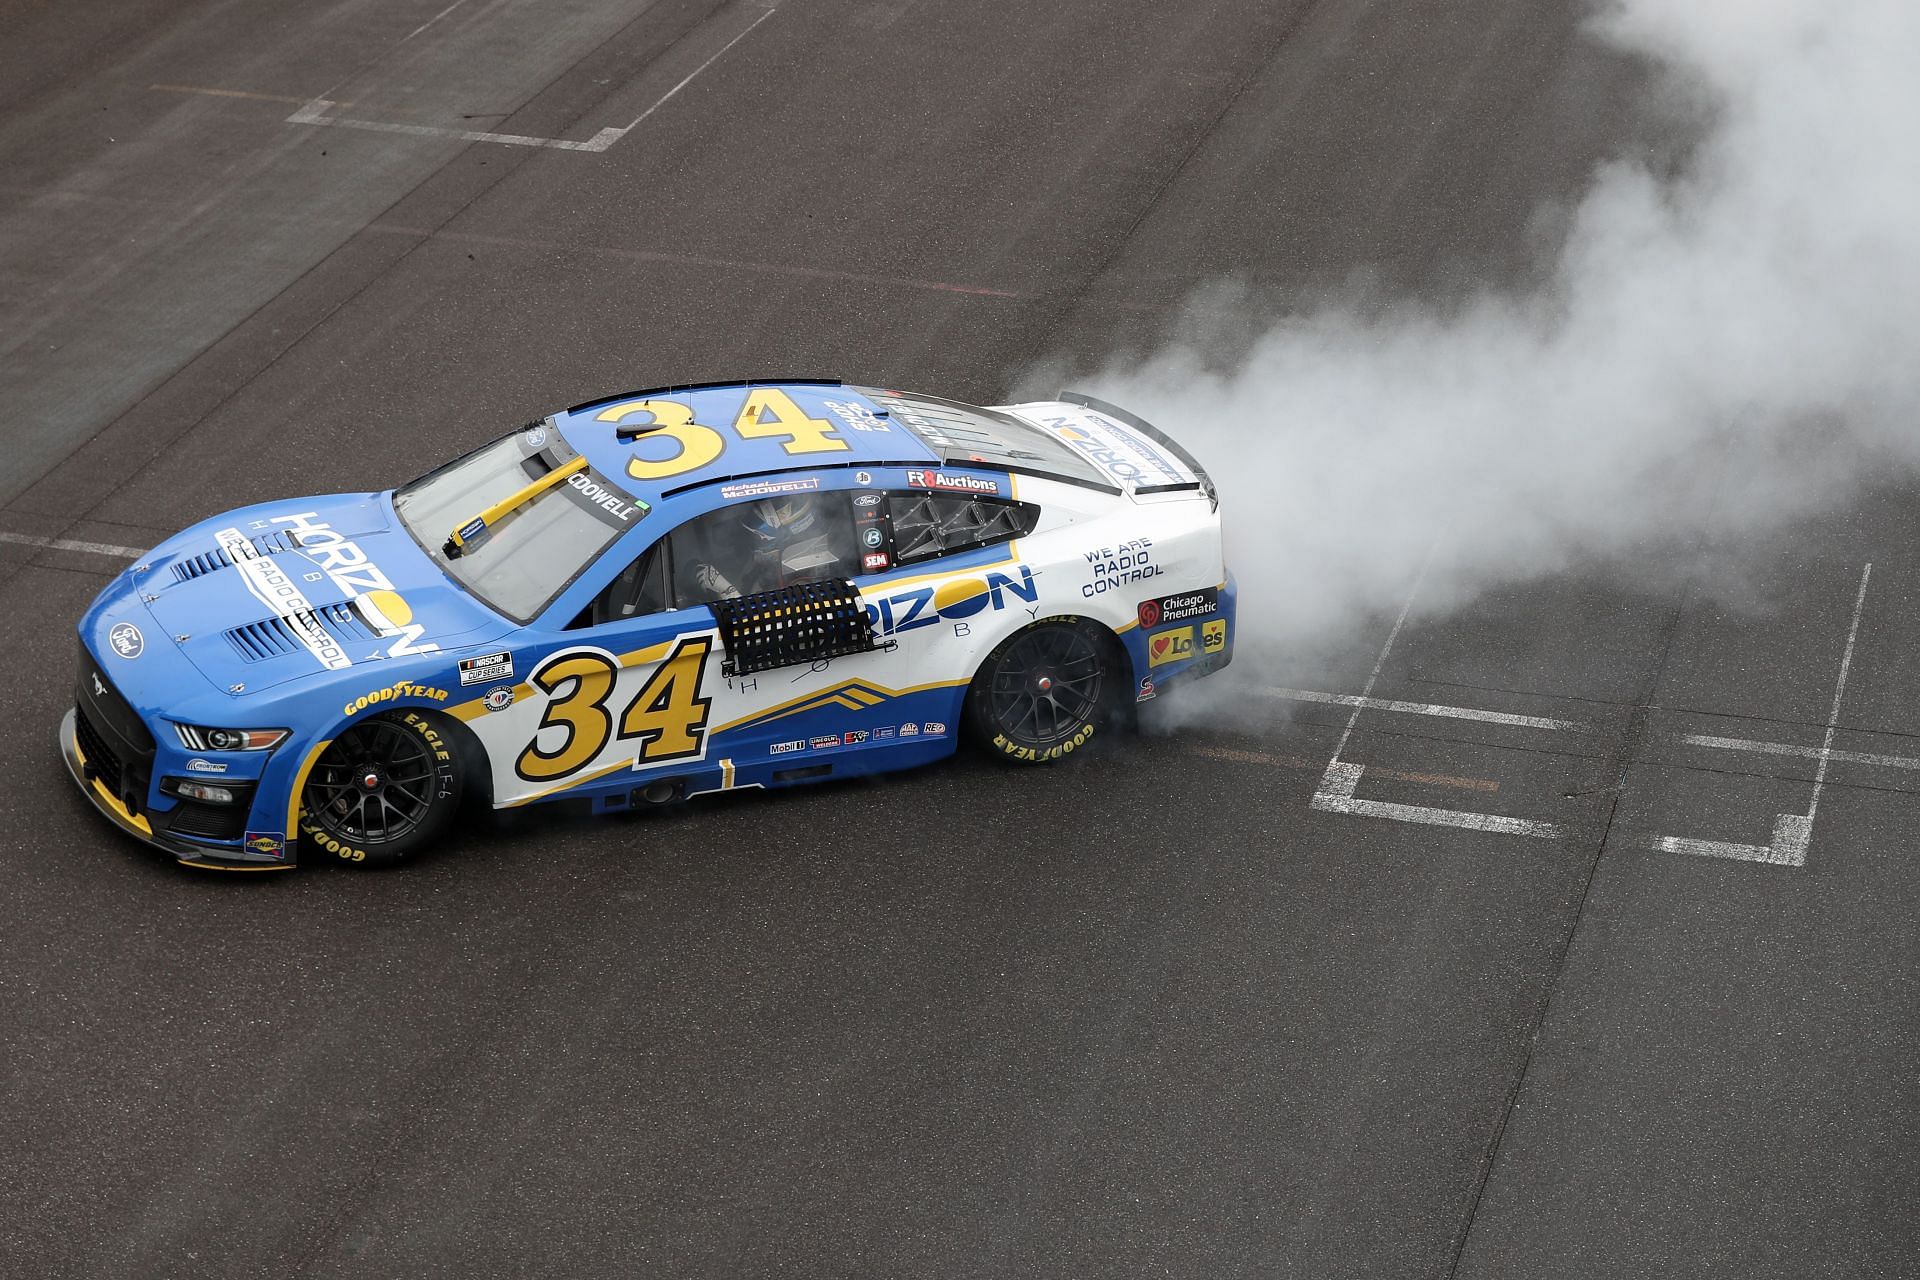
841,695
114,808
237,866
522,496
579,780
300,786
119,810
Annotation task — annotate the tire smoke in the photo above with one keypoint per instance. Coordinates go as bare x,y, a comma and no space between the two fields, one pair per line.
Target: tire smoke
1713,353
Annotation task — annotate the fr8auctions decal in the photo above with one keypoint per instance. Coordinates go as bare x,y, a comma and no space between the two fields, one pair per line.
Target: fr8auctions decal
667,717
767,412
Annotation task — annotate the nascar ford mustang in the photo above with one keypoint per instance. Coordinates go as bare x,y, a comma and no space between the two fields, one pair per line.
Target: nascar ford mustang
645,598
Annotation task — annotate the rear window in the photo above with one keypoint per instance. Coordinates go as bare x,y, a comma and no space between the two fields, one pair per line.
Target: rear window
963,433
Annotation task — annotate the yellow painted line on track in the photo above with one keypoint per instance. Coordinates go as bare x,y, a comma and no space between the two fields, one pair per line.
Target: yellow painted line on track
1484,785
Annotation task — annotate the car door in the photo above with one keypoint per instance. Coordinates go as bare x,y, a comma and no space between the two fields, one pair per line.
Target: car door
626,693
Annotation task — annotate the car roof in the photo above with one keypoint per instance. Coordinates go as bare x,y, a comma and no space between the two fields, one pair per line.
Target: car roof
642,427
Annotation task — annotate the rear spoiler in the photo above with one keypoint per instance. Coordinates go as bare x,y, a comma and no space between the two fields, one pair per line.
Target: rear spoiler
1153,433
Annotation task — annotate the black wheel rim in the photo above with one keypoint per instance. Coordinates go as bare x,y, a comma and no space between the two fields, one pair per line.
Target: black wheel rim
1046,687
373,785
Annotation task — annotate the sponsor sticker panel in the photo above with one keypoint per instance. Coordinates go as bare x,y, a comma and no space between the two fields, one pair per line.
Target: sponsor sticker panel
1175,645
1179,608
486,668
769,488
952,481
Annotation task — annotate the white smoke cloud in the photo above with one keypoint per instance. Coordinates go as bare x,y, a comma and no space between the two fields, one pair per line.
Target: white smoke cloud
1720,350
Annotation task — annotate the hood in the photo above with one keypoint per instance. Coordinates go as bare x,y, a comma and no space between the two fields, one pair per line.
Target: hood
271,593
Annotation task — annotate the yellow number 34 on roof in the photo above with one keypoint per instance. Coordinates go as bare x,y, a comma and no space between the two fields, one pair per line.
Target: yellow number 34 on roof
768,412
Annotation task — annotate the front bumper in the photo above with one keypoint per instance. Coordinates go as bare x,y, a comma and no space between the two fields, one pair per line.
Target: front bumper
183,851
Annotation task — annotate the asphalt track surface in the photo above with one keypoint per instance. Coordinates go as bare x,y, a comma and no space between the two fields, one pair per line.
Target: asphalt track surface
1157,1012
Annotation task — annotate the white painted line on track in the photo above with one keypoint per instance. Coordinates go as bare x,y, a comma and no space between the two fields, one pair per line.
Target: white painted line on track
1792,832
430,21
315,113
1360,704
702,67
1335,793
1336,796
1788,848
73,544
1809,753
1839,692
1420,708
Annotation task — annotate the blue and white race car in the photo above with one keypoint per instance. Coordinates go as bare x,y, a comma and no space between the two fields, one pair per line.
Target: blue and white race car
644,598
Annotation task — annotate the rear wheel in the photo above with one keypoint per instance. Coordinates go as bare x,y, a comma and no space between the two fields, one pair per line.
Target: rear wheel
382,790
1043,693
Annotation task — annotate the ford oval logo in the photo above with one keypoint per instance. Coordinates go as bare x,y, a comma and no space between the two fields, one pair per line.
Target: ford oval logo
127,640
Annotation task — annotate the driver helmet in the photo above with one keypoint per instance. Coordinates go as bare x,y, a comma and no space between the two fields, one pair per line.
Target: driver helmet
783,521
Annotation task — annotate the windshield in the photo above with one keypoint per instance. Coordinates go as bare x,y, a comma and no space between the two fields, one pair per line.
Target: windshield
534,540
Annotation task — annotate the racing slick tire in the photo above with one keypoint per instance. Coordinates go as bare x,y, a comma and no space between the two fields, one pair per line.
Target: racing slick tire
384,788
1044,692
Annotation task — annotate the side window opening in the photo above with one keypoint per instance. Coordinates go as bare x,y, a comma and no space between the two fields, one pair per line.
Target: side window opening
763,545
928,525
638,589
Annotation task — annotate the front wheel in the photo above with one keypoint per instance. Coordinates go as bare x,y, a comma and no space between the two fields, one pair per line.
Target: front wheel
1042,694
382,790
